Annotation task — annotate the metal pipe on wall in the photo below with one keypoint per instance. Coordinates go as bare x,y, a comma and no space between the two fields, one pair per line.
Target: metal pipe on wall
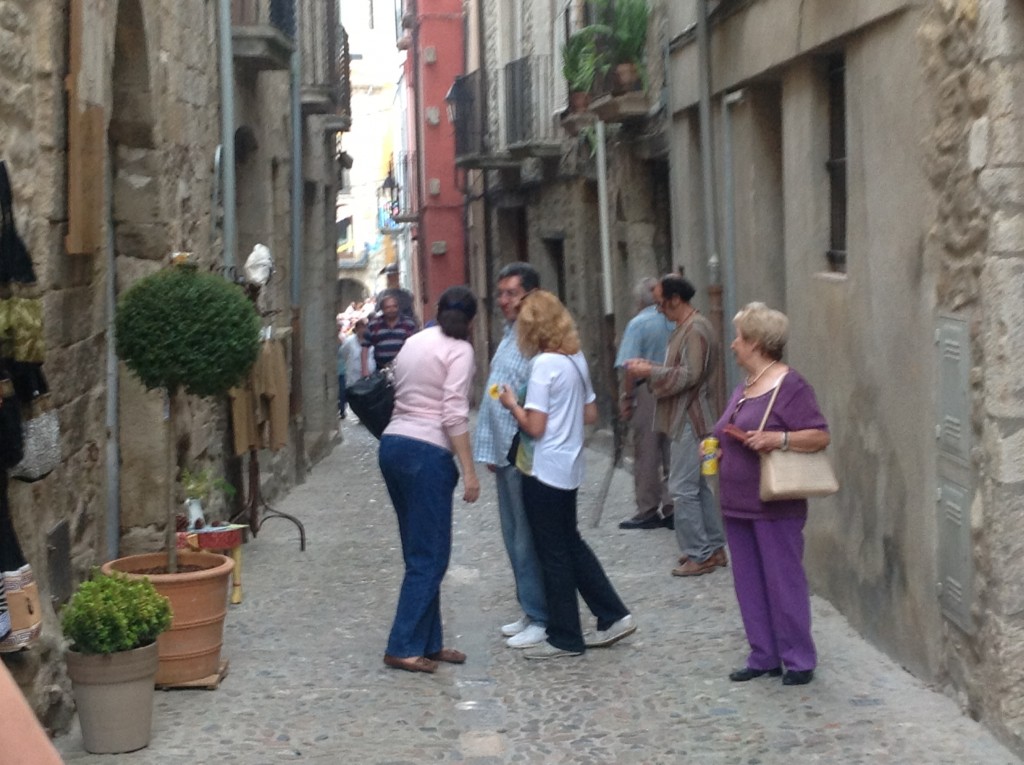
729,236
227,133
298,202
603,221
112,530
707,172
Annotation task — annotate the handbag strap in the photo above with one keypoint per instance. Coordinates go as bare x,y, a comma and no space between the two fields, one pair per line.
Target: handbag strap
771,402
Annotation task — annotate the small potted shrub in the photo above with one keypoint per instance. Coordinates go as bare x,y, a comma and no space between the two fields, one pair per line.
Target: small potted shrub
198,486
113,623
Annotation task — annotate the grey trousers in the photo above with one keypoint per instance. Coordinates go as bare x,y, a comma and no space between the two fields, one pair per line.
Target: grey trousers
651,456
698,522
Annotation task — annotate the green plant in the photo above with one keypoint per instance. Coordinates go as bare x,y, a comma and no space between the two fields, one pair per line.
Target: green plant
181,328
580,61
629,31
108,614
198,485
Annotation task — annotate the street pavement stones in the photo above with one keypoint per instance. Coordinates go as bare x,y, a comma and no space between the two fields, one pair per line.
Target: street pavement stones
307,682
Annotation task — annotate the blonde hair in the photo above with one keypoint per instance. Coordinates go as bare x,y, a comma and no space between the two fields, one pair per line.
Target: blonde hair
765,327
545,325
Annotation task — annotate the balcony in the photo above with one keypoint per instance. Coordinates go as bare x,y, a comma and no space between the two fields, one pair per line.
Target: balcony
531,115
319,37
406,207
468,107
263,33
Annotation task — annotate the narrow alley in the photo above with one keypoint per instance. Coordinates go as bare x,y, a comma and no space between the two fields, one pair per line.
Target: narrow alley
306,681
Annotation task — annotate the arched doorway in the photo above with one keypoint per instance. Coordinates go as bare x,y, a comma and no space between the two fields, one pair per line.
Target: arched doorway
349,291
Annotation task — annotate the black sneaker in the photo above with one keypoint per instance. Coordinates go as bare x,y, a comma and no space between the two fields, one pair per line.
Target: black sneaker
650,520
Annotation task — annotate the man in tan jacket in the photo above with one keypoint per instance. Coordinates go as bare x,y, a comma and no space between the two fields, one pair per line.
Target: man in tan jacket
683,412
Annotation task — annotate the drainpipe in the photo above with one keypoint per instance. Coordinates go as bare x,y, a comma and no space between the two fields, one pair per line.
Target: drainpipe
707,171
227,134
729,231
298,203
113,422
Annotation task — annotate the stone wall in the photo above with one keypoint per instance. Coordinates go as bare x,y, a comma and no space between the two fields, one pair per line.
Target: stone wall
973,52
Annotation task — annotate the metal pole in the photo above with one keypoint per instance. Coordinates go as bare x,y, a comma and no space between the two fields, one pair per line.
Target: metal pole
113,519
729,235
707,171
227,134
602,216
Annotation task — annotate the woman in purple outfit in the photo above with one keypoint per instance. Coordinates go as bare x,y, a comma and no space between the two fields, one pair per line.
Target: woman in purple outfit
766,538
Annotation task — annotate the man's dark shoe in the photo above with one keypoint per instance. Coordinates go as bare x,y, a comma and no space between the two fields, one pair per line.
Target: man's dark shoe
669,522
650,520
798,677
748,673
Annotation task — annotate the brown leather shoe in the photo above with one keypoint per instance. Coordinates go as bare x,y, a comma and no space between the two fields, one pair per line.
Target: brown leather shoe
693,568
449,655
411,663
719,558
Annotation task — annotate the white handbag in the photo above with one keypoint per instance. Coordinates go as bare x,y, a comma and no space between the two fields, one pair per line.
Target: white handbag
794,475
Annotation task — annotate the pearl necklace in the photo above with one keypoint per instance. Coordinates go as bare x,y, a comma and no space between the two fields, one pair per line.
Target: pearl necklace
749,383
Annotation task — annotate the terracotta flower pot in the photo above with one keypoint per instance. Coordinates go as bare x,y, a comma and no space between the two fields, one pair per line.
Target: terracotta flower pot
190,649
114,697
625,78
579,100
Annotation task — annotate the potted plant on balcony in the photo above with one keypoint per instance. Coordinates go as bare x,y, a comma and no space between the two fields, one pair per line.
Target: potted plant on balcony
580,62
182,330
113,623
629,44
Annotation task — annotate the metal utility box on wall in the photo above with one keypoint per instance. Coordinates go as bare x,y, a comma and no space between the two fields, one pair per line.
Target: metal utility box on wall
955,490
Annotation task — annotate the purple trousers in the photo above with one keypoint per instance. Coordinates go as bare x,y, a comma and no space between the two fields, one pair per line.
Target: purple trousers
771,587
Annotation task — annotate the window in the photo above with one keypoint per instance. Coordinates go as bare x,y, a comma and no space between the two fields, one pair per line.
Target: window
836,164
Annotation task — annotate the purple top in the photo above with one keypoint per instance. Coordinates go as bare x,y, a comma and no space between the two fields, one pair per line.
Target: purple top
796,408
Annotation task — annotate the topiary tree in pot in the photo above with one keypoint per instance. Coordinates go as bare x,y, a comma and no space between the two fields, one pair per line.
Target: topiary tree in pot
182,330
185,331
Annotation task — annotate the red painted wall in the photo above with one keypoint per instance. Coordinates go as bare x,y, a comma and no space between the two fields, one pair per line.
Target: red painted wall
439,42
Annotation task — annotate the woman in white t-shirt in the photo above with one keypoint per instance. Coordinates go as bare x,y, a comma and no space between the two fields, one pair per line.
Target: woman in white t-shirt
559,401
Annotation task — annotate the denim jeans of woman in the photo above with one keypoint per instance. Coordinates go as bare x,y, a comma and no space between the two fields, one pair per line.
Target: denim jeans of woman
569,566
421,479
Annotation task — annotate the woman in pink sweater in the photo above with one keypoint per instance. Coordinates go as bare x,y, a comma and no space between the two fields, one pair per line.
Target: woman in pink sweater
430,422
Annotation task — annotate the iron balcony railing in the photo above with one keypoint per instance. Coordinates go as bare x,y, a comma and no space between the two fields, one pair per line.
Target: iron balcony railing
469,117
530,106
279,14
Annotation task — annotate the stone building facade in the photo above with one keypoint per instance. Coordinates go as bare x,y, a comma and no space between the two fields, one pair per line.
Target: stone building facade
865,177
868,183
110,121
532,184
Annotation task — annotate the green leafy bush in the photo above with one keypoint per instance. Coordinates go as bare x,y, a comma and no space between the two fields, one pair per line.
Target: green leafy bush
199,484
114,613
183,328
580,61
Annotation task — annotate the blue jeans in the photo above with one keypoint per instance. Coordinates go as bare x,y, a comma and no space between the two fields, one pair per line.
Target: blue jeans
515,531
569,566
421,478
698,523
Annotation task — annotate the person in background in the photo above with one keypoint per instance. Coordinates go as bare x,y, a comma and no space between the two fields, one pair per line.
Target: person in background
406,304
350,357
495,428
433,373
766,538
682,387
646,337
385,335
559,400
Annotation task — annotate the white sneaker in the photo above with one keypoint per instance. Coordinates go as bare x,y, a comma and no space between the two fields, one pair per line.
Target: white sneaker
516,627
603,638
532,635
547,651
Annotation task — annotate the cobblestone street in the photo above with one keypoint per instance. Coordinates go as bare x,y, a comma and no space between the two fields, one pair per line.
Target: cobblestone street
307,684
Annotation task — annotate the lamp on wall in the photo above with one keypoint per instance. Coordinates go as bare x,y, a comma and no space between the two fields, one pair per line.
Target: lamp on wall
388,195
457,100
